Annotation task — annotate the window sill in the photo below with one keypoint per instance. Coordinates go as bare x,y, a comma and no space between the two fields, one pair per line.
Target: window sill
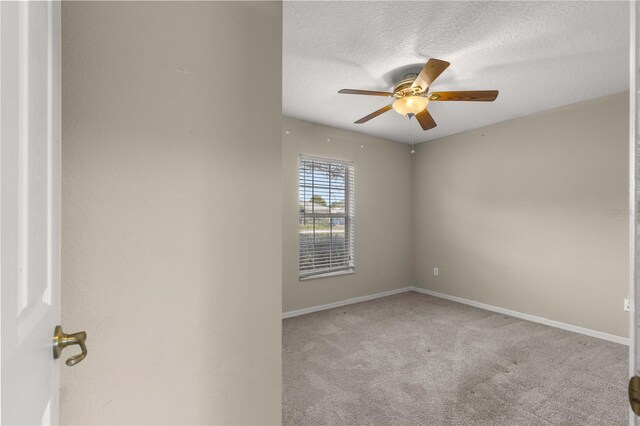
327,275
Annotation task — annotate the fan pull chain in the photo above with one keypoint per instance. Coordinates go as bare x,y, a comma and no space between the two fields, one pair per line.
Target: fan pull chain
413,150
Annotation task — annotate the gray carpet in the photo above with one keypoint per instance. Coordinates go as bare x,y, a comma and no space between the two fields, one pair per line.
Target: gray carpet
414,359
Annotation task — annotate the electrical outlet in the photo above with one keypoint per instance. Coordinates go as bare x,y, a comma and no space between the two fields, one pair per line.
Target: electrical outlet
435,271
627,304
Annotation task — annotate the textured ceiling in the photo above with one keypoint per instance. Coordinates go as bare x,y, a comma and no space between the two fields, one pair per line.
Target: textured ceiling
539,55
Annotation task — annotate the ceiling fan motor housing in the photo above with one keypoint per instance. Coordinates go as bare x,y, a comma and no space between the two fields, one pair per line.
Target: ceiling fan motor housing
403,87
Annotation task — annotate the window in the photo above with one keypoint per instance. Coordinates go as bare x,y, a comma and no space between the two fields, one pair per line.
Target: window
326,222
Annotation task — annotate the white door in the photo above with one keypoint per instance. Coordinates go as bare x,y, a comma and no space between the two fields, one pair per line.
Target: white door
30,215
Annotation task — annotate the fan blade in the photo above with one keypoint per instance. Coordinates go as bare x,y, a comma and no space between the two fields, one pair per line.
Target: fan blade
374,114
425,119
471,95
432,69
364,92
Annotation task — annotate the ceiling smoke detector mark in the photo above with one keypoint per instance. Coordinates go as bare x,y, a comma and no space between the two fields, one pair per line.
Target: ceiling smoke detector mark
183,69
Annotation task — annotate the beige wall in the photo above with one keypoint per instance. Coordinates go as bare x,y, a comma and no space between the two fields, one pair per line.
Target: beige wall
383,220
529,214
171,184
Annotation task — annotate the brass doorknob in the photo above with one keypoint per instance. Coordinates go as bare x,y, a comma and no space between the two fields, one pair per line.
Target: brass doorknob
634,394
62,340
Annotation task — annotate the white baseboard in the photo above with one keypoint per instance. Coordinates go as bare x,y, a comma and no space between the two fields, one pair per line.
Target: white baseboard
528,317
564,326
344,302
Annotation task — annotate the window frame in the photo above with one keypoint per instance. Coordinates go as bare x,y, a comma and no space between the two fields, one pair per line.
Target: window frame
348,216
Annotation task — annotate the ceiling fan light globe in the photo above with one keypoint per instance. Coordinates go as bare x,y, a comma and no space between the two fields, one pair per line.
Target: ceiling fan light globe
410,105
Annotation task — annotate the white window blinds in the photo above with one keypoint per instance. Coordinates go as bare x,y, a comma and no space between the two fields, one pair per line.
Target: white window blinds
326,221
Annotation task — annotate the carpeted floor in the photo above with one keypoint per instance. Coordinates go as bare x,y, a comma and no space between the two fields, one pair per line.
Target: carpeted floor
414,359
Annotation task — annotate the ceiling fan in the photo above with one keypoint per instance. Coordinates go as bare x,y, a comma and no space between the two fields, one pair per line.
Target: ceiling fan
412,95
